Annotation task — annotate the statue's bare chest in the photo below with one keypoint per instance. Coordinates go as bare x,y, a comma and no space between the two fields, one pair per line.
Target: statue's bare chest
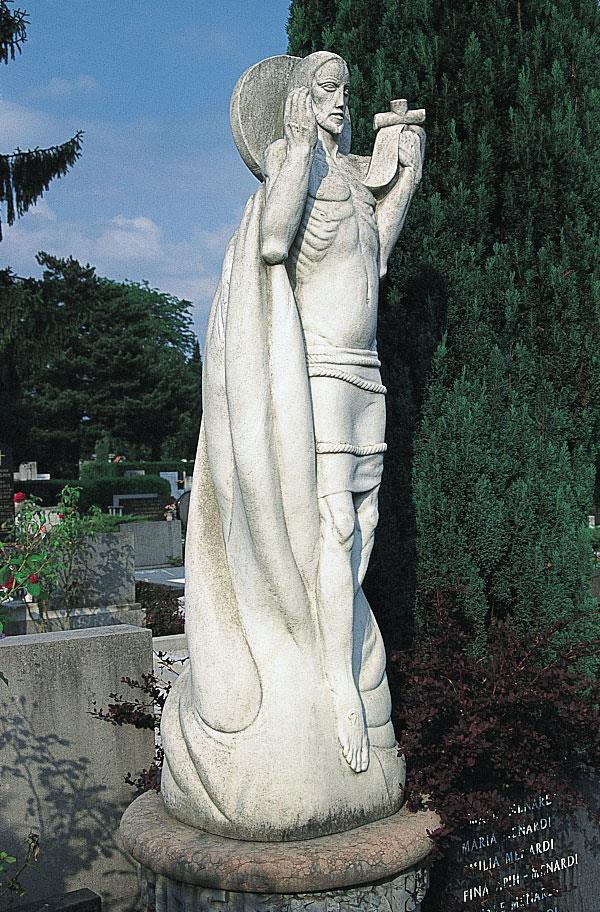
339,211
328,183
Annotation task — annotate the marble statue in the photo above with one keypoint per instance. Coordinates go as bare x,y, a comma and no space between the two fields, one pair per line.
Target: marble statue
280,727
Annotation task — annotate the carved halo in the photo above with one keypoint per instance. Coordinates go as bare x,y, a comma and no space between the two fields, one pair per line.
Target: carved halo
257,105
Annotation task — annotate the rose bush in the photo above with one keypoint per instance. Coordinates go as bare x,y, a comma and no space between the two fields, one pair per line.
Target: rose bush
40,553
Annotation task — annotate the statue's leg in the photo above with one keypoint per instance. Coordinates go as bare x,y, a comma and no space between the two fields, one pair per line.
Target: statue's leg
336,622
367,517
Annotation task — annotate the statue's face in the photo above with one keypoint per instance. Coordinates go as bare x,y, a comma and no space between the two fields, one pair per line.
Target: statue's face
329,93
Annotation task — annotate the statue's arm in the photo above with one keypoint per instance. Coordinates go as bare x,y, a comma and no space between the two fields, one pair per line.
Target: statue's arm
287,170
391,209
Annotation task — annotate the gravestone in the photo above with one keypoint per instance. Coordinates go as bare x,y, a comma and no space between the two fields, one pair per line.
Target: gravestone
7,509
156,544
172,478
28,471
63,771
138,504
76,901
542,861
183,507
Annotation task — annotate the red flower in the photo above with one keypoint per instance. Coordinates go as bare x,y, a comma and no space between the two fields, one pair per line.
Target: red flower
9,583
34,578
61,515
19,497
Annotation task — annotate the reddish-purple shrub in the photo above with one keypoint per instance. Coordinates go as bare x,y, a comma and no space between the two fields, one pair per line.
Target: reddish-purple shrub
479,731
143,711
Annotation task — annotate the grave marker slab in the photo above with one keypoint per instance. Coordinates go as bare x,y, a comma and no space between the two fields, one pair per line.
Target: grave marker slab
7,509
139,504
541,862
172,478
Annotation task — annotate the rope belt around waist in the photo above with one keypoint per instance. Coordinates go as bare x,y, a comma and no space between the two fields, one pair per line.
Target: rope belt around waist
323,370
372,450
356,357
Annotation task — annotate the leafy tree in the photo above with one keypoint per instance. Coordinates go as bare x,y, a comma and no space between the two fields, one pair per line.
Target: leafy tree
124,365
26,174
489,323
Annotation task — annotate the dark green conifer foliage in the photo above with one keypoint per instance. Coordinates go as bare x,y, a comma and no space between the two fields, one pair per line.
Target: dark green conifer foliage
26,174
489,322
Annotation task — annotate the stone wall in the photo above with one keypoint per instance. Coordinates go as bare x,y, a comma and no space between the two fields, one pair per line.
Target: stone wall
61,770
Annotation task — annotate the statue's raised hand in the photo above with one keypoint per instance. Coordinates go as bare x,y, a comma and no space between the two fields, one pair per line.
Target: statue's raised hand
299,123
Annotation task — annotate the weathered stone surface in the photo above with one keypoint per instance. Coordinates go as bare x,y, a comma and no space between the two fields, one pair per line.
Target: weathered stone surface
105,573
62,771
23,618
75,901
280,728
156,543
367,854
397,894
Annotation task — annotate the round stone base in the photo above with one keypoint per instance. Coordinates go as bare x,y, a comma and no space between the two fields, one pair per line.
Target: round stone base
396,894
376,866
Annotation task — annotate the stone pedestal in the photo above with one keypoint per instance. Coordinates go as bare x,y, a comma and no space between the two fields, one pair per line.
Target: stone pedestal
379,866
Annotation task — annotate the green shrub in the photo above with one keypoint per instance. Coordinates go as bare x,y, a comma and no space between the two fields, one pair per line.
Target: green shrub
106,522
118,469
98,492
93,470
48,492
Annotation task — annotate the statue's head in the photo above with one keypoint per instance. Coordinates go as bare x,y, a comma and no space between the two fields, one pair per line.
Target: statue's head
327,77
258,101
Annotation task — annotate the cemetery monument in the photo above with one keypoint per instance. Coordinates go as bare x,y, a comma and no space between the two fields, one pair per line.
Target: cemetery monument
7,509
279,731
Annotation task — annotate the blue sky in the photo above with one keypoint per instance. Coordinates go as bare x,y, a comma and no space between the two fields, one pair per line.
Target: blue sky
160,186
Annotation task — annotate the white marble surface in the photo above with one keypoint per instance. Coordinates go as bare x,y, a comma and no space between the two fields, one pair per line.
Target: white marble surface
280,728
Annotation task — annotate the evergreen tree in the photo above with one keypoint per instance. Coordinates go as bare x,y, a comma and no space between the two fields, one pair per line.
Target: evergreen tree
489,321
22,320
124,365
26,175
182,445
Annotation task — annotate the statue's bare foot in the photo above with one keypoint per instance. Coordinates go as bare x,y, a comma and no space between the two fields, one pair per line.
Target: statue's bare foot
352,732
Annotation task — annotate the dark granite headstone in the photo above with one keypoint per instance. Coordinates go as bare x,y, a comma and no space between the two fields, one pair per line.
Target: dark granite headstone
148,505
183,507
7,509
77,901
543,861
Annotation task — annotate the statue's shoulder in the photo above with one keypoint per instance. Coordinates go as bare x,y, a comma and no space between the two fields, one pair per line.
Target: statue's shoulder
359,164
274,157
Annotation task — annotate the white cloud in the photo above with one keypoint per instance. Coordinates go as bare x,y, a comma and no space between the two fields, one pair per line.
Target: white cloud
27,128
130,239
133,207
63,88
42,210
124,248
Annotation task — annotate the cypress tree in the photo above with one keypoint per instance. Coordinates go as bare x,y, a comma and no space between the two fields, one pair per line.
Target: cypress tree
489,320
26,174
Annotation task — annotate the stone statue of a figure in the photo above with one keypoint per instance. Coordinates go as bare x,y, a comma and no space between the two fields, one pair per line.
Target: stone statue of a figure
280,726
